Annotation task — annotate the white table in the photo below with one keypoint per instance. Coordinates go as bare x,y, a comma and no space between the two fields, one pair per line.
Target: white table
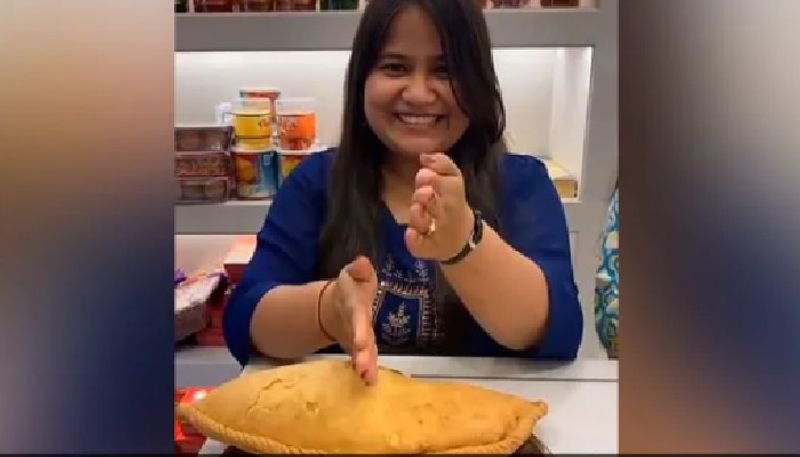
582,395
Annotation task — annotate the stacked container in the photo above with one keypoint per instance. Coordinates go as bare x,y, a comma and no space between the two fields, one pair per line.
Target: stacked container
297,132
202,165
254,158
511,3
296,5
215,6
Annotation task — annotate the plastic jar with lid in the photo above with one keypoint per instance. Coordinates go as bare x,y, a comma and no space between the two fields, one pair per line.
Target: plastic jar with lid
252,122
255,173
297,123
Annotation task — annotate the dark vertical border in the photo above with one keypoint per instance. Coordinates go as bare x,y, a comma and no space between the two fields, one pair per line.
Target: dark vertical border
709,142
86,226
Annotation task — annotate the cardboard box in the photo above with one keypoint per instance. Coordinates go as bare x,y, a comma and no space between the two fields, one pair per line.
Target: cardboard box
565,183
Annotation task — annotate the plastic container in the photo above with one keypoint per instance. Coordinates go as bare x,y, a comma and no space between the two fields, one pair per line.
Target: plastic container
203,190
201,164
338,4
202,137
290,159
255,173
251,6
215,6
271,93
297,123
262,93
511,3
252,123
223,113
296,5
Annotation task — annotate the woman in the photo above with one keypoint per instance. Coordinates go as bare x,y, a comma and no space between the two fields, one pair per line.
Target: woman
419,233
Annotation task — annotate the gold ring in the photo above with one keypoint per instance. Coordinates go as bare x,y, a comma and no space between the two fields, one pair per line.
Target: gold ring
431,227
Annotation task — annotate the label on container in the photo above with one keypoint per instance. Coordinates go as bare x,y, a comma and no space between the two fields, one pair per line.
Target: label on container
298,131
256,174
252,124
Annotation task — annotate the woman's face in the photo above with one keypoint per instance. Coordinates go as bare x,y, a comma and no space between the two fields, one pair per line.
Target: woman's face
408,101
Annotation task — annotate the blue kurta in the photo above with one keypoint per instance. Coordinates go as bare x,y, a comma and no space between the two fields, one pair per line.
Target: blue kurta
405,318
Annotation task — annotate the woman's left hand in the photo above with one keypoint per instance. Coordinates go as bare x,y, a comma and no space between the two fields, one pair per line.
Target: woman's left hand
440,218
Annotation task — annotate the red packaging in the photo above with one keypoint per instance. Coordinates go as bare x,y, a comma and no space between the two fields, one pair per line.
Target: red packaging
215,306
215,6
187,439
189,445
211,337
190,394
257,5
296,5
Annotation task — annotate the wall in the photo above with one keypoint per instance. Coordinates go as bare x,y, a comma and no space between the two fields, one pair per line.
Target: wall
204,79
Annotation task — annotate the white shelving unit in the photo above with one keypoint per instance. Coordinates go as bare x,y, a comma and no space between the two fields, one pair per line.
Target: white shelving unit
594,161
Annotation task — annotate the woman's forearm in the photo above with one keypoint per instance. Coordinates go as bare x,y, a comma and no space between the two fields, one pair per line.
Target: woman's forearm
504,291
284,324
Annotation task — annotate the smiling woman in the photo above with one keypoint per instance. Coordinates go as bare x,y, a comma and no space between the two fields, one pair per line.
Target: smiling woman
409,101
419,233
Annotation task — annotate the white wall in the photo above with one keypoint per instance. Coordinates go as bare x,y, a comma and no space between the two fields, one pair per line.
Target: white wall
571,84
201,252
204,79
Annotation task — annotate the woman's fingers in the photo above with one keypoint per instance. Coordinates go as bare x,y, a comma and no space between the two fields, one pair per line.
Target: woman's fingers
369,372
362,328
440,163
423,195
427,177
360,269
419,219
414,241
365,352
361,286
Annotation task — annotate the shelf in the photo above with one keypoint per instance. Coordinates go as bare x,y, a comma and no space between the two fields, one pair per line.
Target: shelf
204,366
334,30
233,217
246,217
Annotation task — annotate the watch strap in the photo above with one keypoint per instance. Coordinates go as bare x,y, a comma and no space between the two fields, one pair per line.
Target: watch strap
472,242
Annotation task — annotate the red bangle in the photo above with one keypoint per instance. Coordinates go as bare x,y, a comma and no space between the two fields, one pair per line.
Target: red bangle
319,311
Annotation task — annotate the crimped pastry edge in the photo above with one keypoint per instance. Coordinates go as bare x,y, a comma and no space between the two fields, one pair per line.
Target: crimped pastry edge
259,444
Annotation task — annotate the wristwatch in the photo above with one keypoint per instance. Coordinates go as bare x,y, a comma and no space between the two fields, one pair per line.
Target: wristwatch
472,242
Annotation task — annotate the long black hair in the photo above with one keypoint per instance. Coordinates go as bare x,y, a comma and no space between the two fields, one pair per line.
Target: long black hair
355,189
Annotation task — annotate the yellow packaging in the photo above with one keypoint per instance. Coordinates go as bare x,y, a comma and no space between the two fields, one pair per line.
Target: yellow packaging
288,162
254,144
252,122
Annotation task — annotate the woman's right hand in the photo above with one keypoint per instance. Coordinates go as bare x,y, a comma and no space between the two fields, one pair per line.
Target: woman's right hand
348,317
